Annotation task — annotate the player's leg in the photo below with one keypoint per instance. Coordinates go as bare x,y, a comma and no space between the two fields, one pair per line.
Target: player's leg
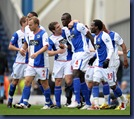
117,92
68,93
47,94
43,75
77,88
11,92
84,91
106,93
57,92
68,82
95,90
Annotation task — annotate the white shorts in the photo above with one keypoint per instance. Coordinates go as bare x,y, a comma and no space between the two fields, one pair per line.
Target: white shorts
61,68
39,73
107,75
18,71
89,74
80,60
116,65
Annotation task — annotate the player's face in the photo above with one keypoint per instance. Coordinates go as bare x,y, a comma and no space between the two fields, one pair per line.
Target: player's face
92,28
64,20
58,29
32,26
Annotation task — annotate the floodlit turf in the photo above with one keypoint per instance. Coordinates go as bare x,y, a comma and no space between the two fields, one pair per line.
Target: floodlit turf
36,110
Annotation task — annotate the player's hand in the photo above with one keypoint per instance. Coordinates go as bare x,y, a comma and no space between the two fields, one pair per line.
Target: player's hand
62,46
125,63
106,63
91,60
22,52
34,55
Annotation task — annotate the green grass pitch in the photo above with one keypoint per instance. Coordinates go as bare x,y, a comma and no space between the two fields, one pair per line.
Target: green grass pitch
36,110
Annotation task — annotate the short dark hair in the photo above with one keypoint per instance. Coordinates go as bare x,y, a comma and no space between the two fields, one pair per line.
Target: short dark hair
23,20
51,26
34,13
98,23
68,16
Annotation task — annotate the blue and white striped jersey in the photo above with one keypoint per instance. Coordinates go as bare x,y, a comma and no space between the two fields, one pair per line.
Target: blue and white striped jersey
54,45
116,41
35,43
76,37
17,40
104,49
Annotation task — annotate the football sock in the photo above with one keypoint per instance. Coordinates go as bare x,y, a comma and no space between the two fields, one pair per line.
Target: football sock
11,92
57,93
77,87
26,94
85,93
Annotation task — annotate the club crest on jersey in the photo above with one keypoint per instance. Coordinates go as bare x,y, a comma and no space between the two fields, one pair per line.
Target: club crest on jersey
107,40
34,42
38,36
98,39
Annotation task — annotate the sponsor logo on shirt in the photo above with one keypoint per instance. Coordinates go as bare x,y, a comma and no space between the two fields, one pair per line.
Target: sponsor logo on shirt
34,42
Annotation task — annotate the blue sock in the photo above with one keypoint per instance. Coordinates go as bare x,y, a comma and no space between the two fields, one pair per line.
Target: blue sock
95,91
47,94
106,89
117,92
89,91
85,93
77,87
109,100
11,92
57,93
21,100
26,94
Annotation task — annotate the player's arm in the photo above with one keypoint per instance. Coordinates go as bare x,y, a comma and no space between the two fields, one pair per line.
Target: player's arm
13,41
12,47
85,31
23,50
89,35
108,42
120,42
70,25
124,49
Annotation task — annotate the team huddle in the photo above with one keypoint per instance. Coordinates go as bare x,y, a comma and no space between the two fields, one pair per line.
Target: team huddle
84,57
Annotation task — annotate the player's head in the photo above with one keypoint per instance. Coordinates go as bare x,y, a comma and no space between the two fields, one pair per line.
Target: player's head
55,28
66,19
96,26
33,23
23,21
31,14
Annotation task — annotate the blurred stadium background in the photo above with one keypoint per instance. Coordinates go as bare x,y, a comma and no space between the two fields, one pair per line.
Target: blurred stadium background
114,13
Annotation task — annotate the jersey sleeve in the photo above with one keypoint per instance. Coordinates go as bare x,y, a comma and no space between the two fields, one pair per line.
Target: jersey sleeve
14,39
81,27
118,39
45,39
108,42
